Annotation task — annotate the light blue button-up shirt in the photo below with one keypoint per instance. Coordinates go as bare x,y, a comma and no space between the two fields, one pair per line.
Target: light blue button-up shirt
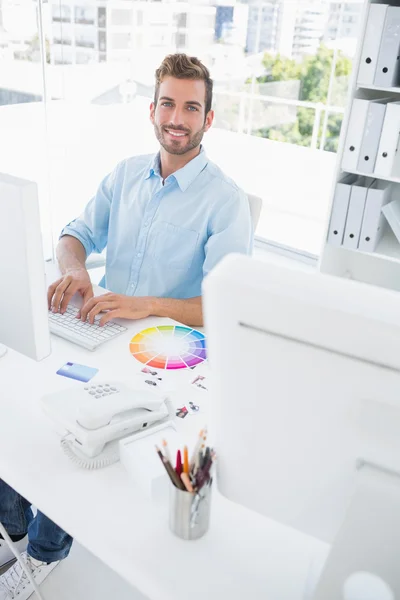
162,239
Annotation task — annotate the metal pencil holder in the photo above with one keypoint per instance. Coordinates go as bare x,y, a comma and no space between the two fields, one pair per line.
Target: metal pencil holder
189,513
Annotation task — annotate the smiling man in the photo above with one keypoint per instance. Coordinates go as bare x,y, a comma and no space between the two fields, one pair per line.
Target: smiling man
166,220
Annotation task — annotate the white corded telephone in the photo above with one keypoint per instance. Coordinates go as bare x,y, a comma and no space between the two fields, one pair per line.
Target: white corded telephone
101,413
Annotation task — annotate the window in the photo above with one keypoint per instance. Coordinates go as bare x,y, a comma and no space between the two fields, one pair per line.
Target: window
102,39
281,73
102,17
181,19
159,16
85,15
180,41
22,147
121,17
120,41
82,59
85,39
61,13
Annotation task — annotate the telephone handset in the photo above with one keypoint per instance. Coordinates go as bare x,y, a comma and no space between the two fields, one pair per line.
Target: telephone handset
99,413
98,410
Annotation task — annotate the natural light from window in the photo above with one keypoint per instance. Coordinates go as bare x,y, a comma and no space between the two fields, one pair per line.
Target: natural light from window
281,73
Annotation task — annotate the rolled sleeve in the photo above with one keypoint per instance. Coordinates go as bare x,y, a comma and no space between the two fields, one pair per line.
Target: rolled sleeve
91,227
231,231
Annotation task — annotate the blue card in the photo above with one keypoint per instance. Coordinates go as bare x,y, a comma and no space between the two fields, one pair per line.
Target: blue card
79,372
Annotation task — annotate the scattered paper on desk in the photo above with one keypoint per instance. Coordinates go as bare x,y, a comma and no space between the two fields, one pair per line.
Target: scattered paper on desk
190,409
200,382
151,377
151,373
76,371
151,382
182,412
193,408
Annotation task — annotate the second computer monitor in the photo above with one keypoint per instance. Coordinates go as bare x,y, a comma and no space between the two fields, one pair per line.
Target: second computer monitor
306,371
307,376
23,305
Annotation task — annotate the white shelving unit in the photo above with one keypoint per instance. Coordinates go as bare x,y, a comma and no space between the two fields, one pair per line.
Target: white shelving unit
382,267
391,90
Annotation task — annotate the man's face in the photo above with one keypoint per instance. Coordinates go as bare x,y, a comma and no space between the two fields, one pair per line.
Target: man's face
179,118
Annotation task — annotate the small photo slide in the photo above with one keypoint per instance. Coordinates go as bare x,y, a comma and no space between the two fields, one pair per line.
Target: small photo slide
193,408
151,373
76,371
182,412
200,382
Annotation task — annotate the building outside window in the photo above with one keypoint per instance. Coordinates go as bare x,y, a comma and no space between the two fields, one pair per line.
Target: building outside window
281,71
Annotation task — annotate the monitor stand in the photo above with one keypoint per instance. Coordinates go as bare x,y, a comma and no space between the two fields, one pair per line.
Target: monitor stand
3,350
364,559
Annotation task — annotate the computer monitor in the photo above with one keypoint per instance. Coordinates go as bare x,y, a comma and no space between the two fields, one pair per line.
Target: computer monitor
306,371
23,304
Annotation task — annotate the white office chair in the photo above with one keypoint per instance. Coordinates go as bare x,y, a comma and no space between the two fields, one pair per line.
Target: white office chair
255,204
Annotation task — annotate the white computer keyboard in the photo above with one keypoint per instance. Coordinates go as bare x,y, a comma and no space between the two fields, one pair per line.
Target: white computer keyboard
82,333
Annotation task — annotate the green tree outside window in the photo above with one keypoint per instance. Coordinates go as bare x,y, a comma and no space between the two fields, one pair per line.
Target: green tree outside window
313,73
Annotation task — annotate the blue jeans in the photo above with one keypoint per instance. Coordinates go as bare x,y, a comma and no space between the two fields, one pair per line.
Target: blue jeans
47,541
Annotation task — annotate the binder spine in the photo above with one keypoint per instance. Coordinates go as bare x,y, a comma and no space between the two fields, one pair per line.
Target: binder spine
372,41
354,134
371,137
387,69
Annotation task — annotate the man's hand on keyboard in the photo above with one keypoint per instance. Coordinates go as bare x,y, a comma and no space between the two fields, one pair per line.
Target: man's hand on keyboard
61,291
117,306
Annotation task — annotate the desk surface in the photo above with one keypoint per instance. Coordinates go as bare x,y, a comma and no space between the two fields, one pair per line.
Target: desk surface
243,554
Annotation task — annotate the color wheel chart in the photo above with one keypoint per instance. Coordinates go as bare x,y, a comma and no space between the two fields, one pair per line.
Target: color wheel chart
169,347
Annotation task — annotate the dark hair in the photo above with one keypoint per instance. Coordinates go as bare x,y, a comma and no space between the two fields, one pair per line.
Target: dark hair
183,66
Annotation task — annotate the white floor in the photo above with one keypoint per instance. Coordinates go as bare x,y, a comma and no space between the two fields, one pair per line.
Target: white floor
83,577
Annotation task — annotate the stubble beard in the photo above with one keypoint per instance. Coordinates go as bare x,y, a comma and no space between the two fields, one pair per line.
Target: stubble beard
175,147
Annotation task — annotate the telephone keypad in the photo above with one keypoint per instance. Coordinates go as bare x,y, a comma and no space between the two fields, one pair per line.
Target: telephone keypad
101,389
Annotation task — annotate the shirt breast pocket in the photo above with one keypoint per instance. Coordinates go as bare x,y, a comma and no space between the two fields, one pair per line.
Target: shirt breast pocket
175,246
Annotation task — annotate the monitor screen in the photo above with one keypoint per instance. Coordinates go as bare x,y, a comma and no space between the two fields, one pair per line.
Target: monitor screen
23,303
306,371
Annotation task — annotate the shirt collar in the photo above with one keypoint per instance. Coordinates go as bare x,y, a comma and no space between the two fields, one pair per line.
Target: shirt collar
184,176
154,166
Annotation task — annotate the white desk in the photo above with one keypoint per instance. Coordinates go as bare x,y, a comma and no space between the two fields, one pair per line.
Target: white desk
243,554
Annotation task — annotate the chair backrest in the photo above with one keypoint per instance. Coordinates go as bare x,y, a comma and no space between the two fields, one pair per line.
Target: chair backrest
255,204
